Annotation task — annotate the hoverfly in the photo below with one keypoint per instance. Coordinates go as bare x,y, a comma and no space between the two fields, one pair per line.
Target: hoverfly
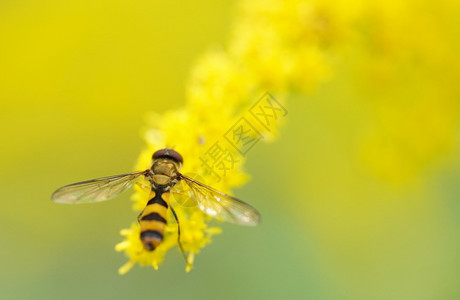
163,175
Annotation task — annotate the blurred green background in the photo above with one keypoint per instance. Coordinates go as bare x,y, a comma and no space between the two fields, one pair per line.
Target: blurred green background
76,78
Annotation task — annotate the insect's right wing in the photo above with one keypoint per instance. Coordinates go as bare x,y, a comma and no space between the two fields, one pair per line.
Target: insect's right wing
222,206
96,190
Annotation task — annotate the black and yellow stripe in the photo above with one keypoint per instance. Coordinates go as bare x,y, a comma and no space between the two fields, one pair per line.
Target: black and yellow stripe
153,220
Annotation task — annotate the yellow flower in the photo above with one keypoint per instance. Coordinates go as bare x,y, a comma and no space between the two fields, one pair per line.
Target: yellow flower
182,130
285,45
221,95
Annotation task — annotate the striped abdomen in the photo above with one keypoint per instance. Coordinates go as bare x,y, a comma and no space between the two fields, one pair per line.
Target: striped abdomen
153,220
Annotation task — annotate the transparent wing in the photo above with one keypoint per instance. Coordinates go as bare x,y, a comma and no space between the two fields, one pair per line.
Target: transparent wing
95,190
222,206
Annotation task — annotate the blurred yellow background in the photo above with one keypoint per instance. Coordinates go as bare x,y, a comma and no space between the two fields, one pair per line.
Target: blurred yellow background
359,194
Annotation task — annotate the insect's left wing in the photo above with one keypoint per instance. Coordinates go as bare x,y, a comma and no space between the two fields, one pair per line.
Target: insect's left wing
222,206
95,190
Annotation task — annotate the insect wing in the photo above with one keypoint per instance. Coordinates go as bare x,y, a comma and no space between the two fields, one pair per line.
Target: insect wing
95,190
222,206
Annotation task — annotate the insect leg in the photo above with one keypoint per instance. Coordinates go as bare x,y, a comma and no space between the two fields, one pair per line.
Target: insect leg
178,236
143,186
139,216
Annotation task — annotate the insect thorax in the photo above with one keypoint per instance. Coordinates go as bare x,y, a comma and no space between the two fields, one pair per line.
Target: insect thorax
164,173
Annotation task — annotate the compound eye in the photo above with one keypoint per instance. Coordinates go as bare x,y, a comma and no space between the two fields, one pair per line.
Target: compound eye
176,156
168,153
159,153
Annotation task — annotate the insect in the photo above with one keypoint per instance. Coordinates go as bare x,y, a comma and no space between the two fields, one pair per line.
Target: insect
162,176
